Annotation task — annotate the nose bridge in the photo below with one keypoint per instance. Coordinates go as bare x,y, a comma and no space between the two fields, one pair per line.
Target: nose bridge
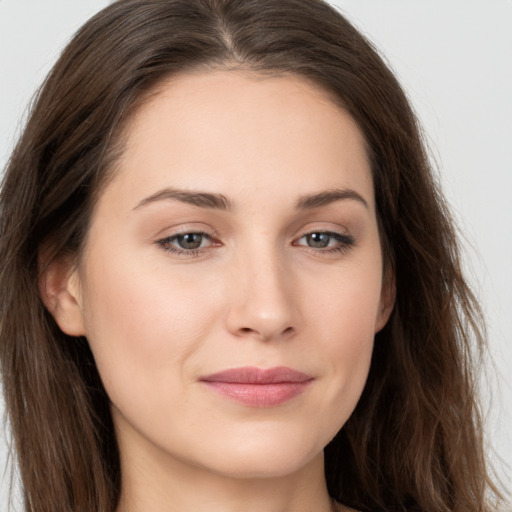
262,304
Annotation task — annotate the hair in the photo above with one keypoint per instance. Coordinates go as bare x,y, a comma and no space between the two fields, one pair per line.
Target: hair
414,441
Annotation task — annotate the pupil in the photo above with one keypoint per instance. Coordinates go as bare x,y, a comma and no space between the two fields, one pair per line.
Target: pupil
318,240
190,241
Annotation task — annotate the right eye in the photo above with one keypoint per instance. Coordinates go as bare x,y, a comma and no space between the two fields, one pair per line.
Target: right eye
186,244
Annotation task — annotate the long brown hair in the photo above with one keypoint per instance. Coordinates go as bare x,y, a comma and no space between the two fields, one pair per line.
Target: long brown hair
414,442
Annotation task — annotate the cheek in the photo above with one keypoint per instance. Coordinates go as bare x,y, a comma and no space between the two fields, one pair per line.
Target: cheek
346,300
345,313
142,323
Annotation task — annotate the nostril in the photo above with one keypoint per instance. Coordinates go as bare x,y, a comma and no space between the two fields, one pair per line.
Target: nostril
248,330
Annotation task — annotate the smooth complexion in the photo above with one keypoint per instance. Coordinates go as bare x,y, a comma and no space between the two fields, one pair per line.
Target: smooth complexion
237,240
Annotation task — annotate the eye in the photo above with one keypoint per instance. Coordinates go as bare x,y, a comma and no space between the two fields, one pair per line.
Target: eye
190,240
326,241
188,244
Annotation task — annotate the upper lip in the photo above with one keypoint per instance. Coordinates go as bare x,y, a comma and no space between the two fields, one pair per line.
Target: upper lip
252,375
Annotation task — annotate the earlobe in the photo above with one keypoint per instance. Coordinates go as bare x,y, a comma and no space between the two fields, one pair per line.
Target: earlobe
59,287
387,302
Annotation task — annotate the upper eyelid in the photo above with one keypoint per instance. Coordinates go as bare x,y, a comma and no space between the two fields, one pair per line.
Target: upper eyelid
183,233
340,231
167,244
202,228
213,240
301,234
341,238
188,232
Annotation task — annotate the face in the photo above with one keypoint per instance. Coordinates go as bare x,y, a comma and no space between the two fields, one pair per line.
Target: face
231,283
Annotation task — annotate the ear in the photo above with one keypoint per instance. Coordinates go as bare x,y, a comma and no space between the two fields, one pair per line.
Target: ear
59,286
387,301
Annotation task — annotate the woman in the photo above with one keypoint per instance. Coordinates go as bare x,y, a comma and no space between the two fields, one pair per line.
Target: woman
228,278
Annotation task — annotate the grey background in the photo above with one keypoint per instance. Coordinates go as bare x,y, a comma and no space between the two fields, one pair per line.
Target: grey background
455,61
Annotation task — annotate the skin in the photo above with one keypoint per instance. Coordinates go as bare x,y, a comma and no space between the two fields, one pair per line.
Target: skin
257,293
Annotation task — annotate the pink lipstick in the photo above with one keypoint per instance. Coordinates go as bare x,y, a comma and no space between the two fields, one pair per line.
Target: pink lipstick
257,387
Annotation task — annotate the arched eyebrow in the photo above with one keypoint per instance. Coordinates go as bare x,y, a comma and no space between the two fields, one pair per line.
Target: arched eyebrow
201,199
327,197
221,202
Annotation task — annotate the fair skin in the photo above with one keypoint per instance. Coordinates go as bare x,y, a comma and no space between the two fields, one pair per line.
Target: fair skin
284,270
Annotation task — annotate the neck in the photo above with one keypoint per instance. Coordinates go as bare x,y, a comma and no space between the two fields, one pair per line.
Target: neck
173,485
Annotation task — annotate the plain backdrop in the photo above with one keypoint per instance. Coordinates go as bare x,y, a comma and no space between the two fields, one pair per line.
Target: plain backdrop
454,59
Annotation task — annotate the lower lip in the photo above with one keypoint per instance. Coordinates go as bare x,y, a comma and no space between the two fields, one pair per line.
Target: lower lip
259,395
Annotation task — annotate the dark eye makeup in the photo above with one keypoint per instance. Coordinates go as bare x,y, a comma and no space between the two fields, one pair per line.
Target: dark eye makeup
326,241
196,243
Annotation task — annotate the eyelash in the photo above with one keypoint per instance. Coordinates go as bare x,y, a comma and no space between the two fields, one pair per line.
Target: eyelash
345,242
165,243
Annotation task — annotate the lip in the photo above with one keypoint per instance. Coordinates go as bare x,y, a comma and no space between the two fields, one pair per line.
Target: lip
256,387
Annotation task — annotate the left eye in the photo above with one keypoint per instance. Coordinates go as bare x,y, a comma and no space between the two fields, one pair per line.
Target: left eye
325,240
190,240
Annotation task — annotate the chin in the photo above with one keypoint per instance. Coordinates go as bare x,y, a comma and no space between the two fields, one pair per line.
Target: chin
264,457
275,466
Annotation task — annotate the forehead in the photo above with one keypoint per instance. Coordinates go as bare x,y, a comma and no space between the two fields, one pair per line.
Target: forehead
231,130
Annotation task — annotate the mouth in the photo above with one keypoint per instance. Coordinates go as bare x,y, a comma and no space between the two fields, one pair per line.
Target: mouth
257,387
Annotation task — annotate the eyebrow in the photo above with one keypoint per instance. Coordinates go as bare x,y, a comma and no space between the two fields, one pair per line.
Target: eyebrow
327,197
221,202
201,199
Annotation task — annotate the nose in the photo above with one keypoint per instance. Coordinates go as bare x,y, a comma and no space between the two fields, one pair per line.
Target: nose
263,304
